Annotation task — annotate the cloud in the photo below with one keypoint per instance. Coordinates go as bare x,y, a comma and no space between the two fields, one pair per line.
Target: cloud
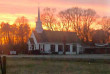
30,6
11,9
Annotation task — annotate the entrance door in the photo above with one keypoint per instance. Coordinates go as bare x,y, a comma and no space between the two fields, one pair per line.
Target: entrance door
60,49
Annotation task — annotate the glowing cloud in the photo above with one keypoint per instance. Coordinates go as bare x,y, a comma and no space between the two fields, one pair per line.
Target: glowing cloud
11,9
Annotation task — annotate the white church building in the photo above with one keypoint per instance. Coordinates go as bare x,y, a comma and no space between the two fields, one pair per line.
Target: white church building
52,42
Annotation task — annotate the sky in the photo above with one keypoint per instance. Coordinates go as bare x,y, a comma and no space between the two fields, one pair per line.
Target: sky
11,9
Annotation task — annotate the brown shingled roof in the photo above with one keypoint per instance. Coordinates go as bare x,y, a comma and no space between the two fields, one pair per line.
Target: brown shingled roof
56,36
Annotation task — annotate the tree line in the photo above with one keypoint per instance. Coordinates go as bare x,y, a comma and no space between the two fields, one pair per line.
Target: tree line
15,36
79,20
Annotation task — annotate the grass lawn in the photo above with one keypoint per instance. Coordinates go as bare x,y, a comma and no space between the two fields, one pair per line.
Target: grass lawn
35,66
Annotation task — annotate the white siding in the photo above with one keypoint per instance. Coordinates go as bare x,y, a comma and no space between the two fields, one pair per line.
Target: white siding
34,47
71,48
29,45
56,47
34,38
37,46
41,46
78,48
47,48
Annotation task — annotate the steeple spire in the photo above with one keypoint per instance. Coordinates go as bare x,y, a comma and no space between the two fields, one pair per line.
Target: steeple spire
39,28
38,14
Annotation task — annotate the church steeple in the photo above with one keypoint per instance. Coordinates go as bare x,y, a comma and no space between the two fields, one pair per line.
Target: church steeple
39,28
38,14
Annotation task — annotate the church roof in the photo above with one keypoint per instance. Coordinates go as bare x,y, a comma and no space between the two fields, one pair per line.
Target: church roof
56,36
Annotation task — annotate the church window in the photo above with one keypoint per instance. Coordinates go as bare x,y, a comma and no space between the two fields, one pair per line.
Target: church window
67,48
74,48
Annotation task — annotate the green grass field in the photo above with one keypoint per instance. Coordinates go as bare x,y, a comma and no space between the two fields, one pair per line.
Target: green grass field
35,66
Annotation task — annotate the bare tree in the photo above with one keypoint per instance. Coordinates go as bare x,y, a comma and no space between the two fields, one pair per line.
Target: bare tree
48,18
21,20
14,34
89,17
105,22
99,36
72,19
23,29
79,20
5,29
65,17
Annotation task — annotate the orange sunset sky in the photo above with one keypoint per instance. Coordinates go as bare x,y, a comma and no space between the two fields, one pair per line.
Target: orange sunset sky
11,9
